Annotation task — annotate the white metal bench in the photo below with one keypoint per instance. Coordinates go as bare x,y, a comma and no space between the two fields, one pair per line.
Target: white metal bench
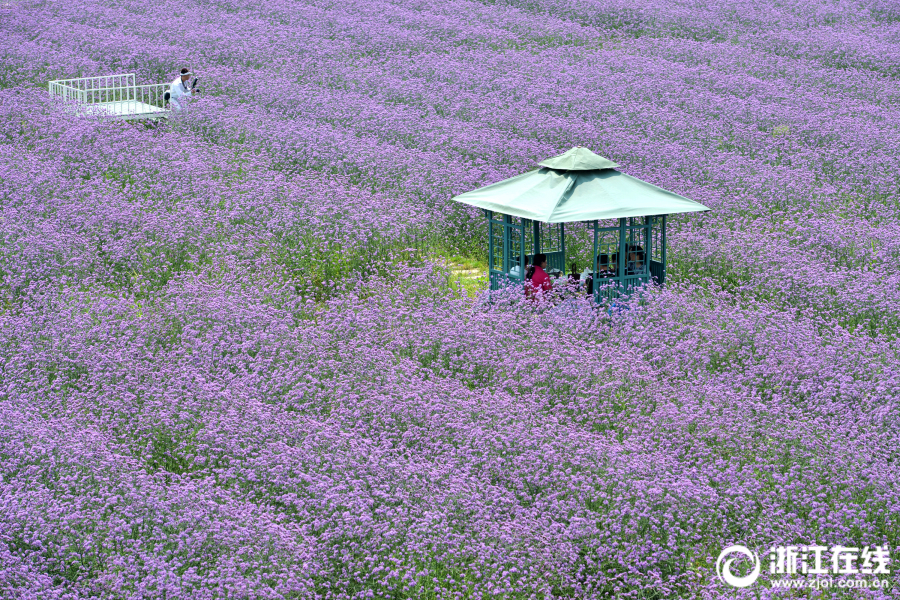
116,96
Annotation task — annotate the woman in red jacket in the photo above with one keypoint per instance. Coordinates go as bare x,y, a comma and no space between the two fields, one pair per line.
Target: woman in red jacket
536,279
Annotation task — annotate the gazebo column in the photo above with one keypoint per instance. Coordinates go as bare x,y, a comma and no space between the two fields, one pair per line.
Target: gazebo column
662,237
595,256
656,254
506,244
562,245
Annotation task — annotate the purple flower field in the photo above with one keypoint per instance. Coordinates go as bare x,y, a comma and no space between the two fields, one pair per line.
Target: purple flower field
234,365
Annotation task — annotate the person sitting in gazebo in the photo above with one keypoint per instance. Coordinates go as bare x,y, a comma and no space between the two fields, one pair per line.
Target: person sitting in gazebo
536,279
517,271
635,264
607,265
606,269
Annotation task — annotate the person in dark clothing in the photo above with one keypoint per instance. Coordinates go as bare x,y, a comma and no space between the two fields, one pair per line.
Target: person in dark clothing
607,265
635,264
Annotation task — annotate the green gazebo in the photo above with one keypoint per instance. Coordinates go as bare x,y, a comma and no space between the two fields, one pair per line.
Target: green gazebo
526,216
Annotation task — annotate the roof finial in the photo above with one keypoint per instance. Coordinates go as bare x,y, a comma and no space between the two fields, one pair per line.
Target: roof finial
578,161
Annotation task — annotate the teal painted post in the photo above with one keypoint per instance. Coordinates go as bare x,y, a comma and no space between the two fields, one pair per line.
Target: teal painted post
522,248
562,245
623,249
662,240
648,235
596,266
507,222
490,217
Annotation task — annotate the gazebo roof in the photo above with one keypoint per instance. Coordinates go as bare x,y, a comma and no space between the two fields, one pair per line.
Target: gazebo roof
577,186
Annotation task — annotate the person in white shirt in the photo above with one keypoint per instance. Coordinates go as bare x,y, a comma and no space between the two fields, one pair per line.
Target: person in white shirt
179,91
517,271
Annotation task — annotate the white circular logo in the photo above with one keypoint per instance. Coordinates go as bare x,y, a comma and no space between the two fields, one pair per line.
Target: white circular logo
724,570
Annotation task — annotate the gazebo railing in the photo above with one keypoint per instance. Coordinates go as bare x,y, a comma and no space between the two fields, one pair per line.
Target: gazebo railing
641,238
628,252
513,242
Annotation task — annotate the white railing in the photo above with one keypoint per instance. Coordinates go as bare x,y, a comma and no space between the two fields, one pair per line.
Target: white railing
117,96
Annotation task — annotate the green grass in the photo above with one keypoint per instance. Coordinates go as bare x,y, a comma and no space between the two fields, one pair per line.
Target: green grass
457,269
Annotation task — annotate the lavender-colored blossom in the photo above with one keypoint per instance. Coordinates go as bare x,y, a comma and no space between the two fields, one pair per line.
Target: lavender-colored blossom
233,365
